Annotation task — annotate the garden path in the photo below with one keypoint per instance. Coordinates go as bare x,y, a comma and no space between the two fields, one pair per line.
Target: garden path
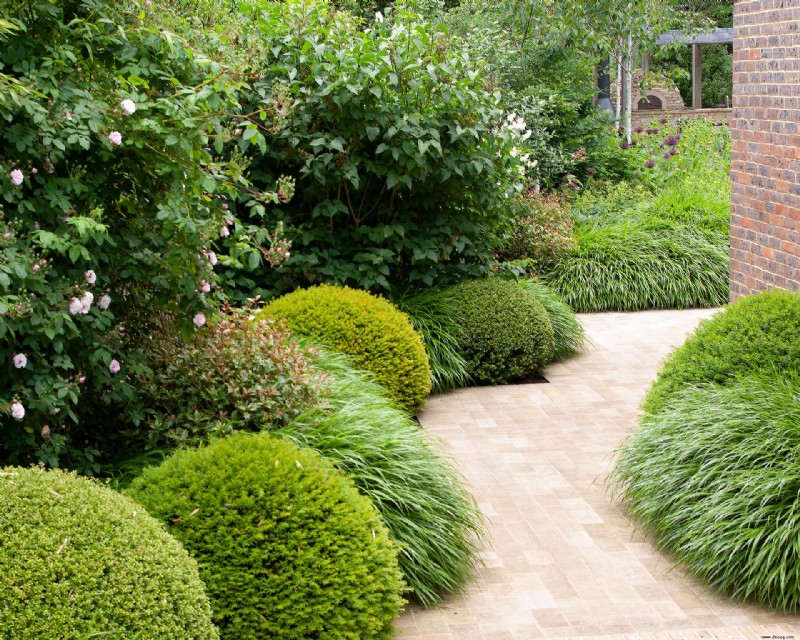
564,561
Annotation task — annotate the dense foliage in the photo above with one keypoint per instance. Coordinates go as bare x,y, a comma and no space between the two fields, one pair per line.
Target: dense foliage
756,334
506,333
78,560
110,200
422,499
401,157
372,330
287,546
235,374
569,337
713,477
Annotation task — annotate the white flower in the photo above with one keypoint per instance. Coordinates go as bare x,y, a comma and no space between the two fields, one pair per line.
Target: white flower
199,320
104,301
224,232
115,138
128,107
378,16
20,361
91,276
114,367
75,306
86,302
212,258
17,411
16,177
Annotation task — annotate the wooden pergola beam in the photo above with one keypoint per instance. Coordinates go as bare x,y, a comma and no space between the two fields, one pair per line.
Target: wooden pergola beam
717,36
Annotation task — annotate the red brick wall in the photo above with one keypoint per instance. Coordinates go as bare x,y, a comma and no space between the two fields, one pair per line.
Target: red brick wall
765,164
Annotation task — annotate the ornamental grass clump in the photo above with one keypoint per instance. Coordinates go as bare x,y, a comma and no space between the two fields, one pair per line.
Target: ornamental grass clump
379,336
287,546
758,333
714,477
507,334
432,314
78,561
424,502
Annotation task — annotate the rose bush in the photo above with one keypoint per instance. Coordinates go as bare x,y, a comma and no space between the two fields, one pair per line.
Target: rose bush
111,200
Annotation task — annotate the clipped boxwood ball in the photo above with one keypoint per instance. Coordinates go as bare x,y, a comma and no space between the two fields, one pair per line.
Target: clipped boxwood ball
78,560
507,333
372,330
758,333
287,546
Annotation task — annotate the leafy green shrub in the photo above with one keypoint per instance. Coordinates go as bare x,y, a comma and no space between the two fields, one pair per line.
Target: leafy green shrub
714,477
287,546
111,200
372,330
78,560
507,334
623,268
569,338
541,232
432,314
234,374
755,334
406,174
422,499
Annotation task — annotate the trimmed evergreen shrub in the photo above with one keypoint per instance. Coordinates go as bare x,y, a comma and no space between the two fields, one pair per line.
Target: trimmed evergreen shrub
287,546
78,560
714,478
507,333
423,500
758,333
569,338
379,336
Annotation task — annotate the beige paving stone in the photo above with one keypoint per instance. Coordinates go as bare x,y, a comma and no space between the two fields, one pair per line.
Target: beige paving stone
564,561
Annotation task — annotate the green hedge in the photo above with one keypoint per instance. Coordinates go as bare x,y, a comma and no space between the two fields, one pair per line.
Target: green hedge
379,336
507,334
78,560
287,546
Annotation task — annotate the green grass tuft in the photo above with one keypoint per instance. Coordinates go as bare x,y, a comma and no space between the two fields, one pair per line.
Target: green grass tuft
715,478
423,501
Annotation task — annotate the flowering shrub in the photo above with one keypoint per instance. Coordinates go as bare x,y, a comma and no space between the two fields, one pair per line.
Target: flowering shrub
404,170
110,200
236,374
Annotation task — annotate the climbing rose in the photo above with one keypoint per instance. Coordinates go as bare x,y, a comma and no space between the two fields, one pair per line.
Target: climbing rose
212,258
205,287
104,302
75,306
17,411
199,320
114,366
115,138
224,232
16,177
128,107
86,302
91,276
20,361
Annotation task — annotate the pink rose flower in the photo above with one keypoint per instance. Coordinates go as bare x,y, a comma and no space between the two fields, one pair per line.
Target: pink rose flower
16,177
75,306
199,320
20,361
114,367
128,107
104,302
17,411
205,287
91,276
224,232
115,138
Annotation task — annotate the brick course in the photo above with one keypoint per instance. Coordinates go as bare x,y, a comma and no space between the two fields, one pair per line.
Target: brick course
765,163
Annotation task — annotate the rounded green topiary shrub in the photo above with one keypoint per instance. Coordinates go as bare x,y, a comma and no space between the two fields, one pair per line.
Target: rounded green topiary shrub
372,330
754,334
507,334
78,560
715,478
287,546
